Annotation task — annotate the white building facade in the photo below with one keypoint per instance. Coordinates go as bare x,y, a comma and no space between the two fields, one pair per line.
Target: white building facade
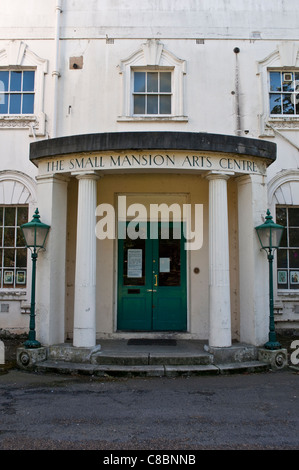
119,116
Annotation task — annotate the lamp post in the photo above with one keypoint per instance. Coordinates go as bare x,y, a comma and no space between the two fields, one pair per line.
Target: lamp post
270,234
35,234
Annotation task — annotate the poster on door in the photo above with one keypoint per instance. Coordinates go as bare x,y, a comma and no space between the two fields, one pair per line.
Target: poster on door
134,263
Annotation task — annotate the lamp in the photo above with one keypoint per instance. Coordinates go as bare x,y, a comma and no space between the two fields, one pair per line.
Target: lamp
270,234
35,234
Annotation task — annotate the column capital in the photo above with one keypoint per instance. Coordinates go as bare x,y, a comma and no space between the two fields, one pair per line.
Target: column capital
86,175
222,175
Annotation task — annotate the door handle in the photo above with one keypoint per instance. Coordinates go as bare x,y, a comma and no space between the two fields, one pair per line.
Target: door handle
156,280
151,290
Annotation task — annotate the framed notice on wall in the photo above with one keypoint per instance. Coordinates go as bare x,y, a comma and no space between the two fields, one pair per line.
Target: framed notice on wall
21,277
8,277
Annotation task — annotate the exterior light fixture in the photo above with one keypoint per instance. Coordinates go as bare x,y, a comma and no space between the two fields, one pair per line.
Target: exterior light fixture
35,234
270,234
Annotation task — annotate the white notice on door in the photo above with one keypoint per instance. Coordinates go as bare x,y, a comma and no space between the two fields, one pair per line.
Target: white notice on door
164,265
134,263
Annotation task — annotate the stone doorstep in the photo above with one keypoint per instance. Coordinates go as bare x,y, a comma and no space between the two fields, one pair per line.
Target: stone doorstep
148,371
67,359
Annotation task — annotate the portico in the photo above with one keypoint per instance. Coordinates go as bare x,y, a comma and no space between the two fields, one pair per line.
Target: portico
223,283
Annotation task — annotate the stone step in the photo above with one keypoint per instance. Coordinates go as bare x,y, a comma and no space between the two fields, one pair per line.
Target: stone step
117,356
153,359
159,370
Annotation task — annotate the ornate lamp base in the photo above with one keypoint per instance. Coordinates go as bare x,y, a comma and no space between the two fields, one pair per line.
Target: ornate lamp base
32,344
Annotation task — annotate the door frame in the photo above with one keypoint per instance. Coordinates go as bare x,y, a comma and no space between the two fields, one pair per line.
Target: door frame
154,245
147,198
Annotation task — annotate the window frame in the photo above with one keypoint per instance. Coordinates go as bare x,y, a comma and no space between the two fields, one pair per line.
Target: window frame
21,92
282,93
13,284
288,249
147,70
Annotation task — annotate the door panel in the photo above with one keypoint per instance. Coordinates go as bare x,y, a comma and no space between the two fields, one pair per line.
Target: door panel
170,294
152,282
134,282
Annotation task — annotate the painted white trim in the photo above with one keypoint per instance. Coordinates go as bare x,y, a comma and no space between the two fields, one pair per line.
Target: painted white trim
17,188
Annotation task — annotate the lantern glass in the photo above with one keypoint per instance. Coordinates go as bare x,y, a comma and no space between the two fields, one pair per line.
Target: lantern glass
35,232
270,233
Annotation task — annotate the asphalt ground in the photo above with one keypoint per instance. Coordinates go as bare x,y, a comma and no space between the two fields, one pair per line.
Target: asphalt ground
160,416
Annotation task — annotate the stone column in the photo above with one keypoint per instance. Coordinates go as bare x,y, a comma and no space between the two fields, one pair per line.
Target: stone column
85,277
51,263
220,311
253,263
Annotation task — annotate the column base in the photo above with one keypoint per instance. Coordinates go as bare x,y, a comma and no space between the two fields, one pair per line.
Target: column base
84,338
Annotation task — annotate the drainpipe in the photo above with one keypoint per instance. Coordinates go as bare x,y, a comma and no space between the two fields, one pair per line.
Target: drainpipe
238,130
55,73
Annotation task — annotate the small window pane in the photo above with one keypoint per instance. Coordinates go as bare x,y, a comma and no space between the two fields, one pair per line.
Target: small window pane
288,86
1,215
165,104
288,106
21,258
139,82
15,104
284,239
20,238
294,258
165,82
294,217
294,237
28,104
10,216
4,81
9,236
282,261
15,81
139,104
281,216
275,81
22,215
28,81
152,82
152,104
275,104
3,103
9,258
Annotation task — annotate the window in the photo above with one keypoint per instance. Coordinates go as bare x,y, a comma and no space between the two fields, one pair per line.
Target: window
284,93
288,253
152,85
13,253
17,91
152,92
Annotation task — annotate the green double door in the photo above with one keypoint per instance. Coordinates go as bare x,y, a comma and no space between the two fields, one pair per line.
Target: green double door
152,293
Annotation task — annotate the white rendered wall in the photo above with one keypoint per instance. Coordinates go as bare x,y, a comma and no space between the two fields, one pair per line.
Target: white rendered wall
204,33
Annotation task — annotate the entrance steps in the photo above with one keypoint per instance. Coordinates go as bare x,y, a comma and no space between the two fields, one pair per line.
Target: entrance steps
116,358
